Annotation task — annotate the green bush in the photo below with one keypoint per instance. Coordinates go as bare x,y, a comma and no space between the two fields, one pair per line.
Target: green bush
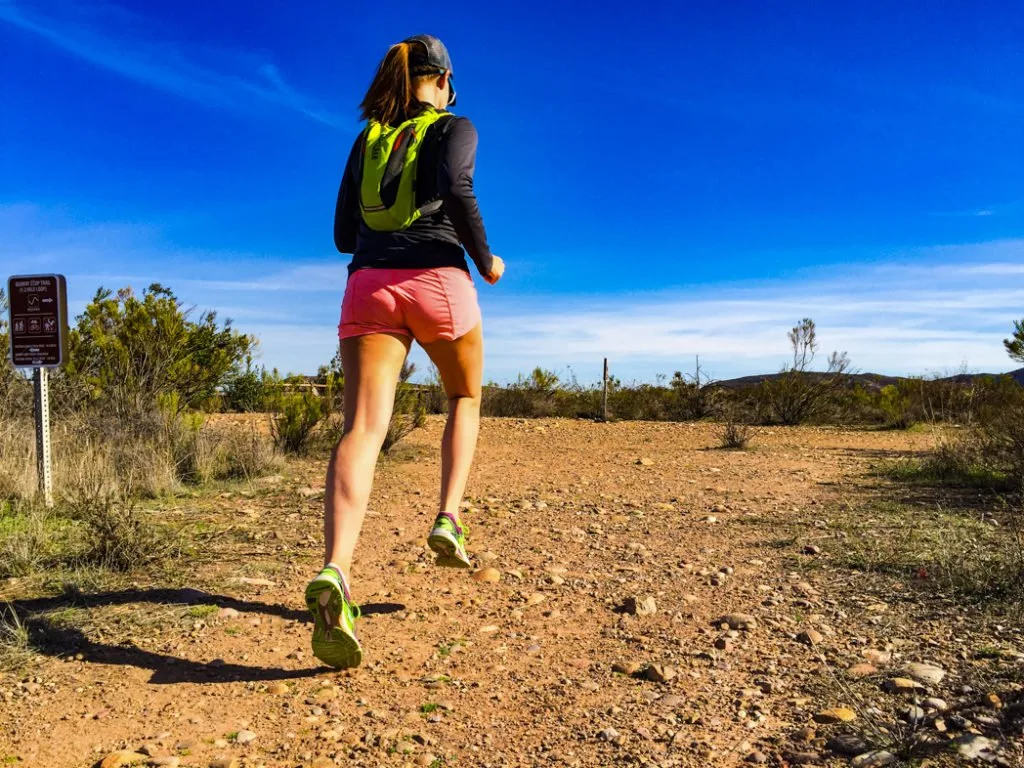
292,427
409,412
897,406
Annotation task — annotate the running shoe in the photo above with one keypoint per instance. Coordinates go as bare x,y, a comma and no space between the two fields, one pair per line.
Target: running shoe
448,540
335,641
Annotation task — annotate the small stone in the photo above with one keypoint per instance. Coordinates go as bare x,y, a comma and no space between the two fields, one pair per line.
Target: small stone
278,689
644,462
758,758
657,673
626,667
405,747
811,637
122,758
224,762
862,670
608,734
992,701
835,715
805,734
811,549
847,744
165,762
913,715
879,658
672,702
535,599
925,673
737,621
227,613
245,737
902,685
487,576
876,759
936,705
220,743
643,605
425,760
325,694
723,644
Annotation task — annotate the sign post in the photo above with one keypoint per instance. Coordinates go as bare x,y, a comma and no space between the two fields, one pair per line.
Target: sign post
39,338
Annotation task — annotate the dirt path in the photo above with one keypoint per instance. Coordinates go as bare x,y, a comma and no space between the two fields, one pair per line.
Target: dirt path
577,518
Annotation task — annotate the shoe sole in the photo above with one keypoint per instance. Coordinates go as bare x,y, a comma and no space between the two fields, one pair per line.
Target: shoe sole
332,644
447,550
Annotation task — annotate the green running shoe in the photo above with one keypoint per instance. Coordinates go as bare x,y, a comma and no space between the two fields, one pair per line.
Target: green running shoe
448,540
334,621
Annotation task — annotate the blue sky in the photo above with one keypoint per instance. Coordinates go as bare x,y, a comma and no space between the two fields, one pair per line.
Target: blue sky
662,182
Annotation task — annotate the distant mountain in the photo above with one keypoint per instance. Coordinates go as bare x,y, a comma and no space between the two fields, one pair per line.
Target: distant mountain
869,380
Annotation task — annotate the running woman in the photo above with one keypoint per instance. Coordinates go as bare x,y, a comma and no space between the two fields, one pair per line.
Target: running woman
405,210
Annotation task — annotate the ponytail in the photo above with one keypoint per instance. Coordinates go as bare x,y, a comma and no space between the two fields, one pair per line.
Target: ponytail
390,94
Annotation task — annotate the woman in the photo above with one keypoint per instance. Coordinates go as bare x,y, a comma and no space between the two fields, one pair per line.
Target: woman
405,210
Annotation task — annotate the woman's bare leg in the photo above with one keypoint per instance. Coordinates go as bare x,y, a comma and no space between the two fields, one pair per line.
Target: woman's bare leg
372,365
460,364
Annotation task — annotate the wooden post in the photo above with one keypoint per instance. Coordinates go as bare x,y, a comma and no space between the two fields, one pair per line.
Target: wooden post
604,393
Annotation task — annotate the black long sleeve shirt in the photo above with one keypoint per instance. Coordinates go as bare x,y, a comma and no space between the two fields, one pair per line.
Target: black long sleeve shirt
431,241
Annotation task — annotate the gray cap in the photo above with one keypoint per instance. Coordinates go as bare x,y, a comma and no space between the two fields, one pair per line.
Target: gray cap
432,56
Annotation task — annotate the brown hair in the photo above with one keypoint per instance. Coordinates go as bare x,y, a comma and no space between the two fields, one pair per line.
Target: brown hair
390,95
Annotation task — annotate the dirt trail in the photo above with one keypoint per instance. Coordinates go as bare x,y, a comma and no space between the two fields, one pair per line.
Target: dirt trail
577,517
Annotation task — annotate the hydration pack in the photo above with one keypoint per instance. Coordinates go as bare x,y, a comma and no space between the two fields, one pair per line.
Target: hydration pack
390,163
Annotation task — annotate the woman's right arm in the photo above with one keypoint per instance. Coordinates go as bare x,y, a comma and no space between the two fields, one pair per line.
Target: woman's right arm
346,209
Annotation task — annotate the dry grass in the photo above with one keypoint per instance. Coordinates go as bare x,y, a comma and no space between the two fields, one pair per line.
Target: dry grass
15,643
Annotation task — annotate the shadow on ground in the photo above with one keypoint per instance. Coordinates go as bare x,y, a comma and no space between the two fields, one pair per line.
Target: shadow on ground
52,639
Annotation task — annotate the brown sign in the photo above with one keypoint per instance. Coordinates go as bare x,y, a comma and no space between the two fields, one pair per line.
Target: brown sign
39,319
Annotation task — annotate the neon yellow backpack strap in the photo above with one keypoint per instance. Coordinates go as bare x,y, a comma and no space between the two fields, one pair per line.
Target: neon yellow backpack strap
390,159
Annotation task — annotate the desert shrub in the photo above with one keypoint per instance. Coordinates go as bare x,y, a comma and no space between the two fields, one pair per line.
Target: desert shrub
248,455
129,354
245,391
15,641
896,406
118,535
798,394
735,432
409,412
293,425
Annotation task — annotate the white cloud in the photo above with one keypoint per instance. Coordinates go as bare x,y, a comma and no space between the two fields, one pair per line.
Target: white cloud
928,309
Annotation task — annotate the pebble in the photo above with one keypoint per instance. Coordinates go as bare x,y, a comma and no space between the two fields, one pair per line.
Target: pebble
165,762
325,695
608,734
643,605
672,702
227,613
425,760
902,685
626,667
245,737
657,673
224,762
644,462
811,549
925,673
723,644
862,670
811,637
738,621
879,658
875,759
535,599
487,576
835,715
122,758
937,705
913,715
278,689
847,744
758,758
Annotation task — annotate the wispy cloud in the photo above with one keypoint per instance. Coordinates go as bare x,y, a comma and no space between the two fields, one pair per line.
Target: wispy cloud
926,309
240,82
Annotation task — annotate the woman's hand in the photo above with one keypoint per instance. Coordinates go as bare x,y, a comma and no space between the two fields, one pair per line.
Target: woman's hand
497,270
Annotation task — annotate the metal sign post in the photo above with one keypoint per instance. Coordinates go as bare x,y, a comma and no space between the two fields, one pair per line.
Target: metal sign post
39,338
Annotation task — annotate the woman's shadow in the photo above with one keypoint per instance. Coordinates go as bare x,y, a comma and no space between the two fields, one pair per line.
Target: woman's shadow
49,637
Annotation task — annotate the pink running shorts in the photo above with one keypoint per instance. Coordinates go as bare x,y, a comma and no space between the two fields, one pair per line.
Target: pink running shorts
426,304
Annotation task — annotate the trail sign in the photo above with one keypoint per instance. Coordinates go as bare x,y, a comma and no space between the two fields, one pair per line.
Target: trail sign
39,339
39,320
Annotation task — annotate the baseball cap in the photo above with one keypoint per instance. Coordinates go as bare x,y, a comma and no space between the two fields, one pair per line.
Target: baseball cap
433,56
